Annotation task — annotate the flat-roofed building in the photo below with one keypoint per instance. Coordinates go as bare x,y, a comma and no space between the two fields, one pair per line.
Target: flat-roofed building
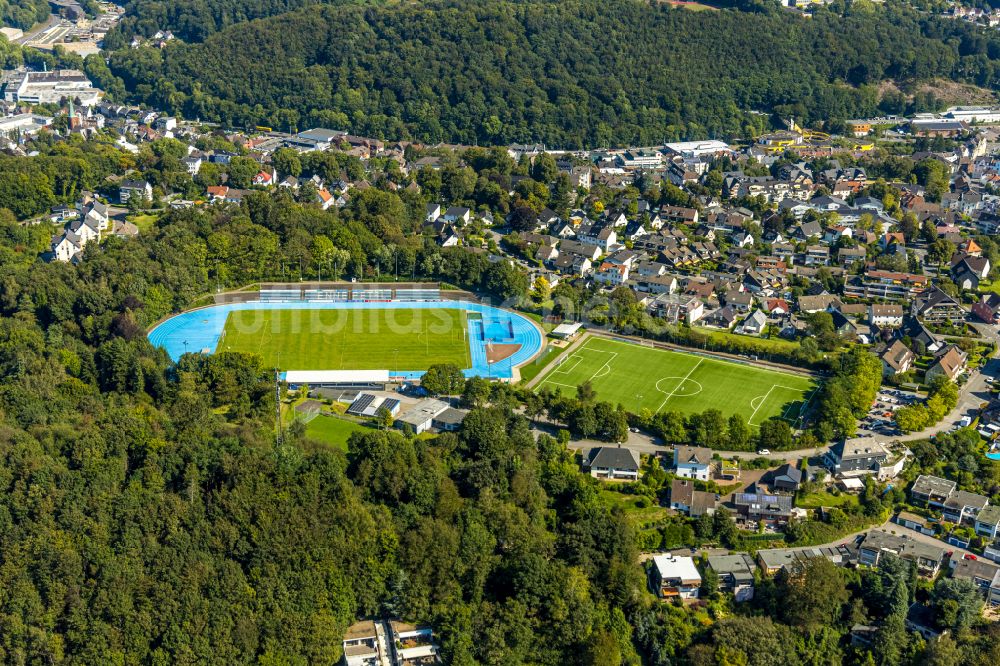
878,542
675,576
735,574
52,88
420,417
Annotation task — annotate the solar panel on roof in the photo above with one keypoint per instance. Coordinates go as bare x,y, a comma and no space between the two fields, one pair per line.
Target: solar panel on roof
361,404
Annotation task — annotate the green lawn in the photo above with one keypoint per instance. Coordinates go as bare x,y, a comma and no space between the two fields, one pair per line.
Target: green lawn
143,222
825,498
369,339
655,379
774,344
639,516
332,430
531,370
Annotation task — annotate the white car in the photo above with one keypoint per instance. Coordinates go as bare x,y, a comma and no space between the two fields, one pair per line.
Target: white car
763,452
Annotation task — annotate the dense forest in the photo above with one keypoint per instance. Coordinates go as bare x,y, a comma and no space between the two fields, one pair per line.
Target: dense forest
23,13
570,74
148,517
194,20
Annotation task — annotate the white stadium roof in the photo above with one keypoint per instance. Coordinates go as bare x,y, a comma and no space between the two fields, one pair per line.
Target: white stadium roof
335,376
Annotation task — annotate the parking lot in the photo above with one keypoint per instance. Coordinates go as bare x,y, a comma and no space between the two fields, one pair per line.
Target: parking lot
879,421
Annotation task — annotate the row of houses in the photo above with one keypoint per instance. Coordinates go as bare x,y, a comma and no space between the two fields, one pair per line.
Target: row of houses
677,576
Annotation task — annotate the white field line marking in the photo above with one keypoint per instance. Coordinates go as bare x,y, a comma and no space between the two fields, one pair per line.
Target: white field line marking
549,381
559,370
606,366
750,420
679,384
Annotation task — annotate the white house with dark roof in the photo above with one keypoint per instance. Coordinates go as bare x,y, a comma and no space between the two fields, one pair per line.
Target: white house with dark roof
693,462
613,462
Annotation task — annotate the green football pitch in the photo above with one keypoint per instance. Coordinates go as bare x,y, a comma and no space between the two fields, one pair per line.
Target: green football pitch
350,339
644,378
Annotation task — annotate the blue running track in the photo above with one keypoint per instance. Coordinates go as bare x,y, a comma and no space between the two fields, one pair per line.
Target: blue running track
200,330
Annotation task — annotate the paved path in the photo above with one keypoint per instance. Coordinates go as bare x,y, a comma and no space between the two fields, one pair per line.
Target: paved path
35,31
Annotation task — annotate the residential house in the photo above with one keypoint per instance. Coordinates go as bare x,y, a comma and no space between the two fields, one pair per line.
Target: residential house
935,306
326,200
817,255
611,274
363,646
679,215
590,251
918,334
885,314
677,307
846,256
432,212
987,523
265,178
723,317
807,231
787,477
856,457
950,363
613,462
217,192
896,359
987,308
66,246
692,462
675,576
773,560
457,214
656,284
982,574
753,324
888,285
818,303
192,164
878,542
128,189
736,574
914,522
769,508
931,491
694,503
963,507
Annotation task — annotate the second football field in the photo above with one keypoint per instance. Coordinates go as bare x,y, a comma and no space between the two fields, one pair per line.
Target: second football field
641,377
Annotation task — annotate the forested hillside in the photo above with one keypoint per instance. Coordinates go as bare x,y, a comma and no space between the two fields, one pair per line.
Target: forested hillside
570,74
23,13
194,20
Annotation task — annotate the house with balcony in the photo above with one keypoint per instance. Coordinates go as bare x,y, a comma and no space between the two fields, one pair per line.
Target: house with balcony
693,462
675,576
736,574
962,507
931,491
886,285
877,543
987,522
950,363
613,462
